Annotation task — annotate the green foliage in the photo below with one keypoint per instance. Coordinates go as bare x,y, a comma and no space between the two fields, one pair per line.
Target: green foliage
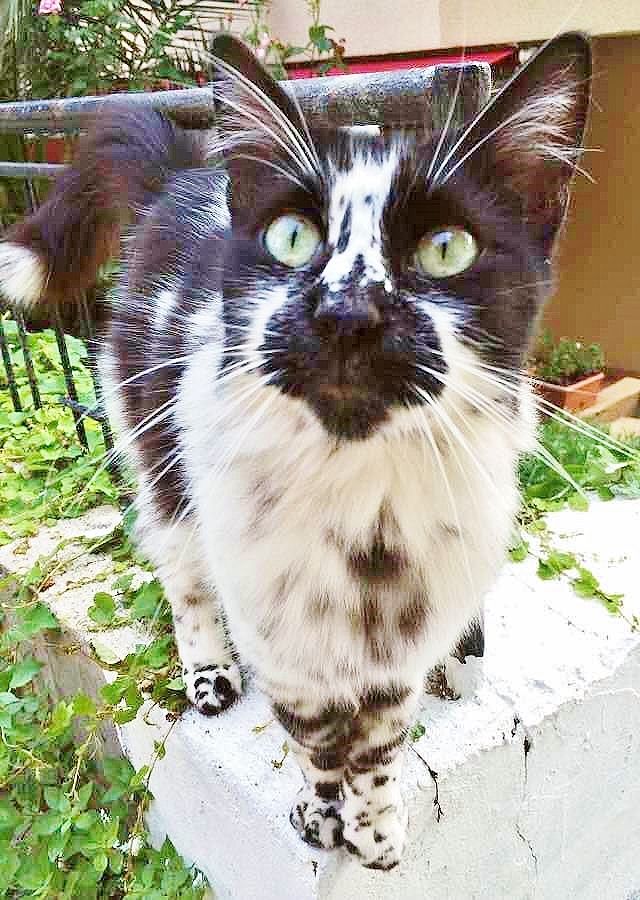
595,464
566,361
44,474
93,46
71,820
321,48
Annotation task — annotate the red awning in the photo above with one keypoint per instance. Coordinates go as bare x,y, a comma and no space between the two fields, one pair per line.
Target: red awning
388,64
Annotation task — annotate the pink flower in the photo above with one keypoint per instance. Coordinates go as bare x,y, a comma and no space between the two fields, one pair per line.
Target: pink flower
49,7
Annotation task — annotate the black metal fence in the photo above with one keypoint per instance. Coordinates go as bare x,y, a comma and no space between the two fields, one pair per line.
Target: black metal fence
389,99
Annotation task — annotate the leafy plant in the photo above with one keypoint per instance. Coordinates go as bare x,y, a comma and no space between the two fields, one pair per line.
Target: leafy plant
594,464
71,820
44,474
321,48
589,457
566,361
78,47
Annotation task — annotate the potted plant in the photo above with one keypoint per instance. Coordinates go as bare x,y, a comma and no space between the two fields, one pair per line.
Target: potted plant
568,373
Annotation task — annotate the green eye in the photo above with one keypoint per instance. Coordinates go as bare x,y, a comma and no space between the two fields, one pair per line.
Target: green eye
292,240
446,252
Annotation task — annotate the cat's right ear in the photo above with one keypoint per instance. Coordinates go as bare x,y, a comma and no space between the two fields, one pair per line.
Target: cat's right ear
234,57
262,133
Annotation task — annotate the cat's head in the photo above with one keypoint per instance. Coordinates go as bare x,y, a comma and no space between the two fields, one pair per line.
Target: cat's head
366,270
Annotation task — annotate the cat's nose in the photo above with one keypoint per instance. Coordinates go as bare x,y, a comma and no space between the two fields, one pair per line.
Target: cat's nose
345,315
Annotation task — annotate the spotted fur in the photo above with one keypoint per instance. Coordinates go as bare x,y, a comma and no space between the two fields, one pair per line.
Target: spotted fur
326,462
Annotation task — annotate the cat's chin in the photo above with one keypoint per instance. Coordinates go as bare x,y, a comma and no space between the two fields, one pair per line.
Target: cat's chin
349,415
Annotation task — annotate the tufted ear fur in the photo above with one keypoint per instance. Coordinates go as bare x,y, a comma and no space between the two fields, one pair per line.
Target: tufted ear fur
230,53
261,130
528,139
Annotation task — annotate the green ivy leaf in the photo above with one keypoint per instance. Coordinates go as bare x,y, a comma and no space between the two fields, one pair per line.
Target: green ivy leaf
519,552
100,862
103,609
56,799
61,718
147,600
319,39
84,795
24,672
83,705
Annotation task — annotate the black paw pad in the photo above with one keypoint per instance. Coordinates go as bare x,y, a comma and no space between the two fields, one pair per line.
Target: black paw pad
212,692
225,691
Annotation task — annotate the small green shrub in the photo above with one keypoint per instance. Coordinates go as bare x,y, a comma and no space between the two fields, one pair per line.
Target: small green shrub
566,361
72,820
44,474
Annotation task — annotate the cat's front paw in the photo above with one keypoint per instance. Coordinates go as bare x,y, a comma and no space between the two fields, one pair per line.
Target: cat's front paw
213,688
317,821
377,840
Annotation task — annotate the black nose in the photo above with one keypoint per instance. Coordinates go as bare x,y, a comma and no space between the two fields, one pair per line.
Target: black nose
354,312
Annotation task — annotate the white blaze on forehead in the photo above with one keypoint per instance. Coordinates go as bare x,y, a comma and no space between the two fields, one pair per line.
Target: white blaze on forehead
359,194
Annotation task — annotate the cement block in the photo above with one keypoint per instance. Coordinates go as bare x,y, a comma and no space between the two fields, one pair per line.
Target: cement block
537,772
622,398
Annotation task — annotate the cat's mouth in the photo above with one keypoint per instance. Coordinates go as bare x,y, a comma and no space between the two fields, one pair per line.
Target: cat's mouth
342,393
354,383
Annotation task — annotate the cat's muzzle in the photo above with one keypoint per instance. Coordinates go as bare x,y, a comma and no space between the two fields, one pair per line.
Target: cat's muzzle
353,357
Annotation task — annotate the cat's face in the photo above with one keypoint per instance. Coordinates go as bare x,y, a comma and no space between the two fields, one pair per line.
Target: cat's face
361,264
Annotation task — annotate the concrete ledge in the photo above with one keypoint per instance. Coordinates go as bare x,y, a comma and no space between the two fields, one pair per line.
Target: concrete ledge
619,400
537,772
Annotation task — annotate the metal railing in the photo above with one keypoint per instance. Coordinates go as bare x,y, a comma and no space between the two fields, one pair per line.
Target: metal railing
407,98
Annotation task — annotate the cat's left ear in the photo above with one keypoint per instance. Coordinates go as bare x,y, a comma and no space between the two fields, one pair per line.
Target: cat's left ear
528,139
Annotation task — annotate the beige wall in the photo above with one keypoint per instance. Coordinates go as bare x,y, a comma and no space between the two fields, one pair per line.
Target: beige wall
598,296
367,26
372,27
510,21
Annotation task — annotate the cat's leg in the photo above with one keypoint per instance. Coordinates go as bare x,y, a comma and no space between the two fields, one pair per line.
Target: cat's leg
212,678
374,814
320,739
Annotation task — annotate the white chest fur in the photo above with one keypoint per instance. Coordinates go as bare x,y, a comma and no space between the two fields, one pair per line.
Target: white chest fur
286,514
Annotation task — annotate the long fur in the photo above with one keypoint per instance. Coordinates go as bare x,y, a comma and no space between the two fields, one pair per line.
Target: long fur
326,455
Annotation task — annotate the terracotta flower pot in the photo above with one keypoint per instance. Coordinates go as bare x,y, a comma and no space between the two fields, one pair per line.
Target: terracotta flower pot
56,149
572,397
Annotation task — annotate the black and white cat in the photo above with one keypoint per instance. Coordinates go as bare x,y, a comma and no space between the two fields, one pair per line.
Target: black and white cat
313,356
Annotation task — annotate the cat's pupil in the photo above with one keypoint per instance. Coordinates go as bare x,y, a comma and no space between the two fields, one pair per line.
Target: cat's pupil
294,237
443,248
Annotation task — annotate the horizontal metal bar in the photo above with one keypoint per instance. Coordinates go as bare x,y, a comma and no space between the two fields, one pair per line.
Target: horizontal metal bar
72,114
395,97
29,170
